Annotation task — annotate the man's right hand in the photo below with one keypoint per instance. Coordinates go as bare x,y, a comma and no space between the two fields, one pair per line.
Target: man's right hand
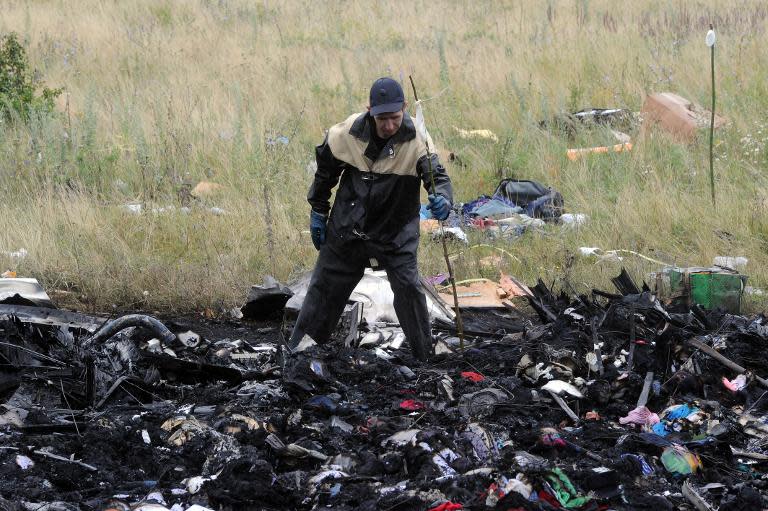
317,227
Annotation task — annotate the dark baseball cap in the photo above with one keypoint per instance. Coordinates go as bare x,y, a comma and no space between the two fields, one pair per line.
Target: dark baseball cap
386,97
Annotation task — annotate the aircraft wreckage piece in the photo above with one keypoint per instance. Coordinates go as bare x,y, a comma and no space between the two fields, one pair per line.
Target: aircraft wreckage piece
53,317
131,320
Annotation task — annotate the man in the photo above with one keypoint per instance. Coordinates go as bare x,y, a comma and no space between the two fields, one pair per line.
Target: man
380,158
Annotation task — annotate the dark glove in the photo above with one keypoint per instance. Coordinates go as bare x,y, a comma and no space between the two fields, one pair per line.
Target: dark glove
439,206
317,226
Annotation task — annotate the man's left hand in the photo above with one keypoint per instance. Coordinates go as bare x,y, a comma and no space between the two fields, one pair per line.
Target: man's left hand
439,206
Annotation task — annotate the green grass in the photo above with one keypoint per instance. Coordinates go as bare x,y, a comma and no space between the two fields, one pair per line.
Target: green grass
162,95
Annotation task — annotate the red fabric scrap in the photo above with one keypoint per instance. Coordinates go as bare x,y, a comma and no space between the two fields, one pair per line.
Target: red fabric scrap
552,440
493,489
482,223
472,376
549,499
412,405
447,506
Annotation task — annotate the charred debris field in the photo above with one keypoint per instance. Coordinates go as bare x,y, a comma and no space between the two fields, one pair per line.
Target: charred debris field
612,400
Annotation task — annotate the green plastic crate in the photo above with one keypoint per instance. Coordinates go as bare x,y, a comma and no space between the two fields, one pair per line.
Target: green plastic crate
709,287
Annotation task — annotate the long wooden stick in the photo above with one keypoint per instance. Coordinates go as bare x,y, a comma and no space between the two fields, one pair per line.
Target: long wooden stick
66,460
631,358
567,409
723,360
451,279
643,399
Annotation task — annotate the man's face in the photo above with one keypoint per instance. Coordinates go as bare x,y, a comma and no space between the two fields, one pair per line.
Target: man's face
388,124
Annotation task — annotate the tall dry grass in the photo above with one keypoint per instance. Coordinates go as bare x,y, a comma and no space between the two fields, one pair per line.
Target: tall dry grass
160,95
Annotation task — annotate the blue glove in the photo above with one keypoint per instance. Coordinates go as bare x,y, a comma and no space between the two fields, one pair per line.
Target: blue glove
439,206
317,226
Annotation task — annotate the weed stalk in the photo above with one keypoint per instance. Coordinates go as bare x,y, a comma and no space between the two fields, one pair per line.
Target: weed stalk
711,44
451,278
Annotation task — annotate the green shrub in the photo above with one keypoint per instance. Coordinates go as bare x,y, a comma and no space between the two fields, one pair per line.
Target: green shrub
21,95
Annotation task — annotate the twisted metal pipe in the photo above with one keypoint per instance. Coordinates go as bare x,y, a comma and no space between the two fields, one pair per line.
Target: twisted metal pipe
131,320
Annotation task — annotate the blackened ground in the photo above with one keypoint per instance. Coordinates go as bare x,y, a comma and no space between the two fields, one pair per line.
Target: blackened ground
321,438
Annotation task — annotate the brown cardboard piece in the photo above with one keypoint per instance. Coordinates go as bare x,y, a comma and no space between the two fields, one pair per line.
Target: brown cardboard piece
485,293
677,115
475,294
206,188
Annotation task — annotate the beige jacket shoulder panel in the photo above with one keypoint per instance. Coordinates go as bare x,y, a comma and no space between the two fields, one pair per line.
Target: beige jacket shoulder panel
351,150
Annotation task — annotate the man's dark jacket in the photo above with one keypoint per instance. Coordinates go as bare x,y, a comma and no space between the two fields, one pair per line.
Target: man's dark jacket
378,198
